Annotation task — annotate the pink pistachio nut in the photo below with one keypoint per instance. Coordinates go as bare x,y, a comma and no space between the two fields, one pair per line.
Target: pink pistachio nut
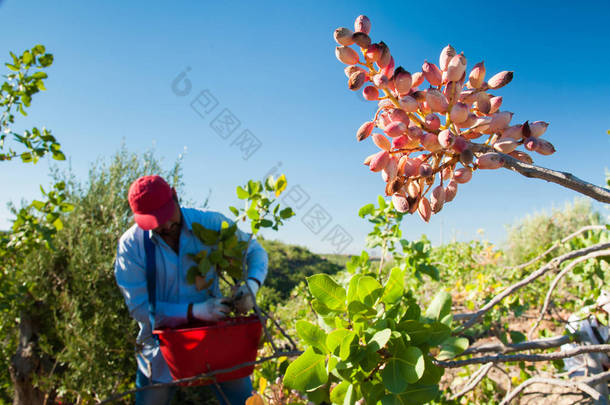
379,161
437,199
462,175
459,113
395,128
362,24
432,73
361,39
365,130
346,55
382,142
402,81
446,138
424,209
495,102
370,93
343,36
456,68
476,76
500,80
522,156
356,80
433,123
490,160
500,120
451,191
537,128
446,54
401,204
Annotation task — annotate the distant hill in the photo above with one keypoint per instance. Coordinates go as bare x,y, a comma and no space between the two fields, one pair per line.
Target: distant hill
291,264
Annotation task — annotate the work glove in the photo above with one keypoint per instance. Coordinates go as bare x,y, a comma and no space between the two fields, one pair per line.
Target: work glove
242,300
213,309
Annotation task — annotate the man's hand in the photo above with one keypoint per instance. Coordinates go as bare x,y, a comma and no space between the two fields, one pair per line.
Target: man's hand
242,300
214,309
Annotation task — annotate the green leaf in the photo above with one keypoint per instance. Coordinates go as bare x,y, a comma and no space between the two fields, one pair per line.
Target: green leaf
39,205
334,339
440,306
369,290
414,394
12,67
190,275
430,333
381,201
407,367
265,223
307,372
451,347
253,214
366,210
394,287
286,213
349,345
234,210
381,338
320,308
516,337
312,335
27,57
241,193
337,395
432,374
58,224
352,289
280,185
327,290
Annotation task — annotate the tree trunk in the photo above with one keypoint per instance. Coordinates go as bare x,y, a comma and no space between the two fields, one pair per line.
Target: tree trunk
26,363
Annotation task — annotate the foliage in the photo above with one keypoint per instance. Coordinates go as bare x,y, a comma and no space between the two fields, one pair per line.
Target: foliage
87,329
25,79
535,233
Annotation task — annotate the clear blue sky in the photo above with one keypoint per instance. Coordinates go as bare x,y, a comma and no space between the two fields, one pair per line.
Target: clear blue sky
272,65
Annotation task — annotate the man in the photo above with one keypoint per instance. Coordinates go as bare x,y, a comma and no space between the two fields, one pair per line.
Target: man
157,212
590,323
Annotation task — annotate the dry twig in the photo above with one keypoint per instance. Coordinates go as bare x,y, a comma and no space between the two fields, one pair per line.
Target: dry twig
551,265
559,276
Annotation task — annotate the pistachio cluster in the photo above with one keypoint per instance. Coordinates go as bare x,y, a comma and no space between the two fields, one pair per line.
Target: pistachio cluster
430,133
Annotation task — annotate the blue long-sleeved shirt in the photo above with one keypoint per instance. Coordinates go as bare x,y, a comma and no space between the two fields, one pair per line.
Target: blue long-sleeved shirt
172,291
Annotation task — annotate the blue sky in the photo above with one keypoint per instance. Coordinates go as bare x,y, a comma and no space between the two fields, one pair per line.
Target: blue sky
272,66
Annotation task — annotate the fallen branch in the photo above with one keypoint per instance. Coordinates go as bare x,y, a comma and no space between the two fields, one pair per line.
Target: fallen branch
202,376
559,276
597,379
546,343
474,380
551,265
560,242
564,179
554,381
506,358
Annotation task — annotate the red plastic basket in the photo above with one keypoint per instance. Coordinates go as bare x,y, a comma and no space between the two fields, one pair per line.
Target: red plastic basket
211,346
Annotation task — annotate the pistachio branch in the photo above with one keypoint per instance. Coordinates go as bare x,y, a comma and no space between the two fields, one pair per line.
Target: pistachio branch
545,343
564,179
508,358
556,280
476,378
551,265
575,385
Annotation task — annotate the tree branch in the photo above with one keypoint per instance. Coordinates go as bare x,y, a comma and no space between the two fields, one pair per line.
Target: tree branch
575,385
546,343
596,379
551,265
474,381
559,243
503,358
562,273
564,179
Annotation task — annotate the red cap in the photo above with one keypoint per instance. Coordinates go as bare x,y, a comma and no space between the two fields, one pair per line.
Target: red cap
151,200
